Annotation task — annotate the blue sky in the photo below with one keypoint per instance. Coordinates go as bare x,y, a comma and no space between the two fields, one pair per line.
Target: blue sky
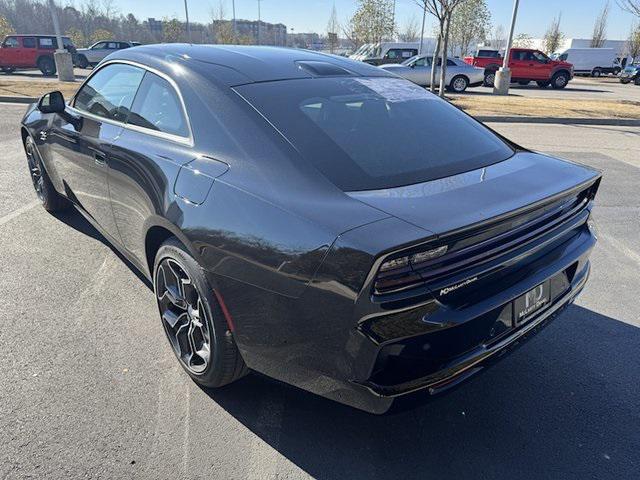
312,15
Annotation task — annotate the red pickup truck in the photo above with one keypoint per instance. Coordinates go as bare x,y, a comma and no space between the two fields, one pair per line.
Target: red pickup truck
526,65
31,51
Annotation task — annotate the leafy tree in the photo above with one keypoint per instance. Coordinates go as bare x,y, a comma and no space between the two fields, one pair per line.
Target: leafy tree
523,40
600,27
553,37
5,27
172,30
100,34
372,21
76,36
633,42
470,22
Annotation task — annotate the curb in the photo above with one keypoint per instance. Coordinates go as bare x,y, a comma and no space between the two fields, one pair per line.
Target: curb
18,99
616,122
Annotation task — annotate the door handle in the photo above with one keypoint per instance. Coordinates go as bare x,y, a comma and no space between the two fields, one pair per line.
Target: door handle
100,159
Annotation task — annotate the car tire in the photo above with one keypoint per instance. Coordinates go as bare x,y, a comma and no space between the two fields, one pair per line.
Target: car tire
489,78
636,80
524,82
459,84
559,80
8,70
543,84
193,320
596,72
47,66
616,71
83,62
625,81
51,200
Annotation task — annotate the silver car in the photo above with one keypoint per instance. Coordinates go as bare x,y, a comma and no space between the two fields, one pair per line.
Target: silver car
90,57
459,75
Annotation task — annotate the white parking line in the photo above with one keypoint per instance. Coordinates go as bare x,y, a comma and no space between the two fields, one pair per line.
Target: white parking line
19,211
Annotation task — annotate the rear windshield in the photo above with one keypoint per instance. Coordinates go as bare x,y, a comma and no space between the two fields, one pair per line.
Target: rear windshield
373,133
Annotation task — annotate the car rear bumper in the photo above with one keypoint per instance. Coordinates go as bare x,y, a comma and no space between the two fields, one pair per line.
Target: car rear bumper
473,362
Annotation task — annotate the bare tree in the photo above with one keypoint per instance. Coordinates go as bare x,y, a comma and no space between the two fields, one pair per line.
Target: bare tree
470,22
600,27
333,28
222,28
442,10
633,42
498,39
631,6
411,31
553,37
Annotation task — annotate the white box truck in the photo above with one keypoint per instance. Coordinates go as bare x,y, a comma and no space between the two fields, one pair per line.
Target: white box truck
590,61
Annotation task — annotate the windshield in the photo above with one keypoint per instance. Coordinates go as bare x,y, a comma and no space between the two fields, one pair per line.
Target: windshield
373,133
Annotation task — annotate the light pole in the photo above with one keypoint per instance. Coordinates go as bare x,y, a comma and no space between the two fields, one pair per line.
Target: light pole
424,17
503,75
259,21
186,13
235,32
62,58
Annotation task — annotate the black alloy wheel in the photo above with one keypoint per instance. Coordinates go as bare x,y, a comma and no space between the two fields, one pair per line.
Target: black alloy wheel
193,320
35,168
183,316
51,200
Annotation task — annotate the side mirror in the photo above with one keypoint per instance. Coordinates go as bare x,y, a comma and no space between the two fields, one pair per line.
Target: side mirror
52,102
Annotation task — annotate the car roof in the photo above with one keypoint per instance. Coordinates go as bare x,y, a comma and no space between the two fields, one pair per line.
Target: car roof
35,35
248,64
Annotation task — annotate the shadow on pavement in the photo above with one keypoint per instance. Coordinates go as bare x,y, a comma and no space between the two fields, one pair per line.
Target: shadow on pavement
565,405
75,220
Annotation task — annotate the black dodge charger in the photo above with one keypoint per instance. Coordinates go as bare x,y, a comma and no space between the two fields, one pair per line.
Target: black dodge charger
315,219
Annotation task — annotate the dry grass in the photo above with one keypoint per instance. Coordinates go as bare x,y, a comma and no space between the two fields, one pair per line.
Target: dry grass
491,105
22,88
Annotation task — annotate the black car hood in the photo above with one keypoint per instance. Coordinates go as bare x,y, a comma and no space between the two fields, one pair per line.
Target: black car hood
469,198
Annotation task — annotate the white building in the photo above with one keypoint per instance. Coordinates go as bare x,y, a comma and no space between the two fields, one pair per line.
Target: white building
620,46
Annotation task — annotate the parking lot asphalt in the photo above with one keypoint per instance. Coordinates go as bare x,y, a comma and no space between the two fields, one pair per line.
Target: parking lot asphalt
90,387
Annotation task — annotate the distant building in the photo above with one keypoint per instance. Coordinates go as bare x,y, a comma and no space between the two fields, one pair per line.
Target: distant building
155,26
264,33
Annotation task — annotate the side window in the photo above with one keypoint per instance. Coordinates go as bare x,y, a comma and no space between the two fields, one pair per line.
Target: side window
451,63
124,45
393,54
158,107
420,62
11,42
99,46
409,53
110,92
29,42
112,46
47,43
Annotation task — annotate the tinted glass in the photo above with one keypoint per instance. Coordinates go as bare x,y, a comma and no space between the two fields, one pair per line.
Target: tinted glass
110,92
99,46
29,42
158,107
371,133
